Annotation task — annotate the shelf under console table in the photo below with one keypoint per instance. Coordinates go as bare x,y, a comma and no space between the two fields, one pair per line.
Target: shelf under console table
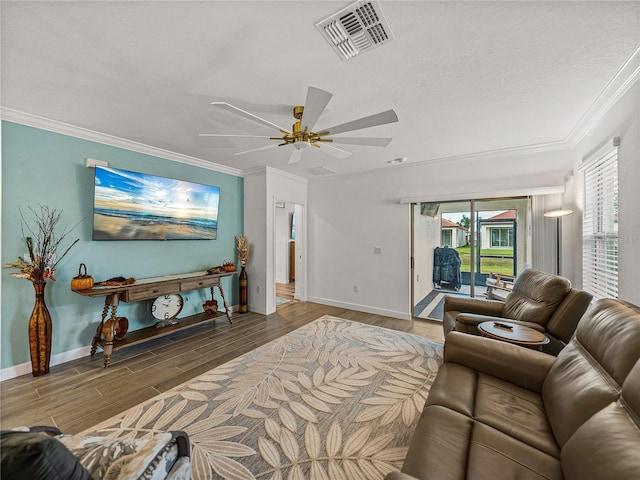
146,289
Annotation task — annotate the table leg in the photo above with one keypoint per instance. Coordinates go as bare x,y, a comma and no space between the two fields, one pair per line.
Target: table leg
110,334
97,336
226,305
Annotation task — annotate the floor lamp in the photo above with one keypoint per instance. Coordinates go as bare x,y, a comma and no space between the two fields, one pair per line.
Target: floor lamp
558,214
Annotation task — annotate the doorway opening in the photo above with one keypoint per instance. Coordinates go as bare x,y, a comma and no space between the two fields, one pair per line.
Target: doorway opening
287,251
462,247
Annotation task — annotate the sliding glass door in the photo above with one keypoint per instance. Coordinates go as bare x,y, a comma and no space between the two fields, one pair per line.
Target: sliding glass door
459,247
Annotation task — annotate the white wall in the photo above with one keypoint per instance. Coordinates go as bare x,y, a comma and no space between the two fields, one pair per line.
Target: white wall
349,216
622,120
262,188
256,218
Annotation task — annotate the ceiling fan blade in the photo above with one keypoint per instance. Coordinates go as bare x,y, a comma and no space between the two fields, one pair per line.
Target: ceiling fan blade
296,155
333,151
314,105
238,111
368,141
235,136
365,122
274,145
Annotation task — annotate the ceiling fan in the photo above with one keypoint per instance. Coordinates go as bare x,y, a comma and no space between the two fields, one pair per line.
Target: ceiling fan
302,136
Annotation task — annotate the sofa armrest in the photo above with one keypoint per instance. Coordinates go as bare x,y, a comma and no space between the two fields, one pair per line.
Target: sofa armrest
519,365
473,320
473,305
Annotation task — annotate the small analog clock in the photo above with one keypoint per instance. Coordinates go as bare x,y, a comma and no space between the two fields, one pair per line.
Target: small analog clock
167,306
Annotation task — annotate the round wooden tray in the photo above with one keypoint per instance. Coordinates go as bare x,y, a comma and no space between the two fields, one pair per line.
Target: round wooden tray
518,334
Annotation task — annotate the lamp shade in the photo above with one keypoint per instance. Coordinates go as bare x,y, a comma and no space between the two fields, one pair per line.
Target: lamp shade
561,212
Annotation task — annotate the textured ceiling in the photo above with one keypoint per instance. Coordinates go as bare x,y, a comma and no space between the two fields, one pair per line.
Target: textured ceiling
463,77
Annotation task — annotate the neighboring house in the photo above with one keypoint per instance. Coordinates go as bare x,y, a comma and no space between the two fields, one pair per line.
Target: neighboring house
498,231
452,235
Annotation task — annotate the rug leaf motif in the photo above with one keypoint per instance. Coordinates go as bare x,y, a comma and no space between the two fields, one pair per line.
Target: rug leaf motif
329,401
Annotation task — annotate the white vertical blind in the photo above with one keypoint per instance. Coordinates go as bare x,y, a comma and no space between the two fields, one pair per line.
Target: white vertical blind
600,224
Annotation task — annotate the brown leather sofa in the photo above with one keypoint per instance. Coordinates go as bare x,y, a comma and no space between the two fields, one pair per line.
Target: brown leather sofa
499,411
539,300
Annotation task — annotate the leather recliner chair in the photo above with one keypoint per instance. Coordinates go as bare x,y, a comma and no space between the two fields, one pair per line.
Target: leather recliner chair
539,300
499,411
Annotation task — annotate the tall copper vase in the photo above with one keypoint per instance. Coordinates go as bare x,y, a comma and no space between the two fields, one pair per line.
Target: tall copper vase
244,303
40,333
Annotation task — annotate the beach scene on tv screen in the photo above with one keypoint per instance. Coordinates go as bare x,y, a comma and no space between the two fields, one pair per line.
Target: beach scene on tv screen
138,206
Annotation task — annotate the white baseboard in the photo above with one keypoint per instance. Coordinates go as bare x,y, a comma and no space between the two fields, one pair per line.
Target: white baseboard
259,310
57,359
362,308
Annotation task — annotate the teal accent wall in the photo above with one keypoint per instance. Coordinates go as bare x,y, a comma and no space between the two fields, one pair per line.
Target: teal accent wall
44,168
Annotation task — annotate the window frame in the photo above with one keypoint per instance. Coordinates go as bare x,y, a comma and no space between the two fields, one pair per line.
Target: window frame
600,223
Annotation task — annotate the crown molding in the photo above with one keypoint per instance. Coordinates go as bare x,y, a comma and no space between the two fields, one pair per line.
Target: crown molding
30,120
282,173
467,157
620,84
267,170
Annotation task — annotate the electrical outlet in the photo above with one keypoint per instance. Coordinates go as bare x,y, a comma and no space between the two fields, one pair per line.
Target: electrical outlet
377,250
355,288
258,289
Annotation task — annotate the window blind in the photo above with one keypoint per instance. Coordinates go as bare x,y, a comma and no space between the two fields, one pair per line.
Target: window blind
600,224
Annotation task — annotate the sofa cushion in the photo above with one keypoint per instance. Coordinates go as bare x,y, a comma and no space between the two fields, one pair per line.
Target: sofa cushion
448,445
535,296
565,319
37,456
606,446
455,388
509,408
492,451
440,444
516,412
589,372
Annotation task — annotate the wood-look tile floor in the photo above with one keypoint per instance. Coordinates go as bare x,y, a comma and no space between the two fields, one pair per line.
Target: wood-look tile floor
286,290
78,394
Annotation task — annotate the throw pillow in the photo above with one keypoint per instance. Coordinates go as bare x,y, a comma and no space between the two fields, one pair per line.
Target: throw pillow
37,456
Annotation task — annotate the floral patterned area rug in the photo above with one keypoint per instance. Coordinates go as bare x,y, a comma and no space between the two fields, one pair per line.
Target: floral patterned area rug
334,399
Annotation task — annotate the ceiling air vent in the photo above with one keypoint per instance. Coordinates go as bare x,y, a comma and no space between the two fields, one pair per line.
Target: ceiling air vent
356,29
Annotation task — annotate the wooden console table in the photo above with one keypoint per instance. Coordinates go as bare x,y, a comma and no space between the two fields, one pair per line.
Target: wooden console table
145,289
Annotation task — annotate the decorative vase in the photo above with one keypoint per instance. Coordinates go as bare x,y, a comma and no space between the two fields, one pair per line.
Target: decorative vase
244,304
40,333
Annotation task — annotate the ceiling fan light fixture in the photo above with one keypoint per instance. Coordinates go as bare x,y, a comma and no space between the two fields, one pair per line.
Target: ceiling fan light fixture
301,144
302,136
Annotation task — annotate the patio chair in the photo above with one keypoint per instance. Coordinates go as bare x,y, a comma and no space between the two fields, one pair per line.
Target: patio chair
499,285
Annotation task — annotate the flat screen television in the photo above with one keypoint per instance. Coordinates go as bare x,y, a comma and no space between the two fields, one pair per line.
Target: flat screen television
138,206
